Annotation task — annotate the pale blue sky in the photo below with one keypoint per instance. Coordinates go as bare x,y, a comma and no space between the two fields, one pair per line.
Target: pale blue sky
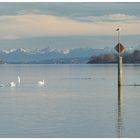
68,25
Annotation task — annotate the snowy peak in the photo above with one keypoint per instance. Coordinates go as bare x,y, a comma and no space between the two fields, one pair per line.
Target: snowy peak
8,51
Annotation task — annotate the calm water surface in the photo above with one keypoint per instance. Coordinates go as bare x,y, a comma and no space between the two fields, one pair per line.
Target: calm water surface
77,101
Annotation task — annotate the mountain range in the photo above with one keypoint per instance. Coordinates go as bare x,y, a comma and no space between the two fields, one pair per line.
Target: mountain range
48,55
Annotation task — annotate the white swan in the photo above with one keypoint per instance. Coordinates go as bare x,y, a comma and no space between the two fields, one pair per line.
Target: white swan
18,79
41,82
12,84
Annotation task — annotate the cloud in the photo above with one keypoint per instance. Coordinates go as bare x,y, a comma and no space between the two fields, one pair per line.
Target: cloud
122,17
110,18
81,8
36,25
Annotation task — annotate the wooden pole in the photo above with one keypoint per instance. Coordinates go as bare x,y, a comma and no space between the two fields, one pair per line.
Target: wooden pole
119,70
120,119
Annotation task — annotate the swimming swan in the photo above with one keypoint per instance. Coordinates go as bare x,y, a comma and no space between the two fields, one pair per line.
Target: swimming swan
12,84
41,82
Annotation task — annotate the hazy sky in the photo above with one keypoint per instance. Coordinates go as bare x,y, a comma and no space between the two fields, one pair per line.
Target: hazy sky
68,25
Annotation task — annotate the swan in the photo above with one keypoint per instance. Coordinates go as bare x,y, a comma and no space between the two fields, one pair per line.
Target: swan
41,82
18,79
12,84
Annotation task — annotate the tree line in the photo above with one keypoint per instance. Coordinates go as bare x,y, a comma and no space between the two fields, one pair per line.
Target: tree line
133,57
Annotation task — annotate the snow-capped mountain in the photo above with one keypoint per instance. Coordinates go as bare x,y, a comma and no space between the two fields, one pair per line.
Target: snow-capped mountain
24,55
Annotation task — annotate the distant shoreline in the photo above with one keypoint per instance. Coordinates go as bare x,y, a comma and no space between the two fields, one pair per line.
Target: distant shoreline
68,63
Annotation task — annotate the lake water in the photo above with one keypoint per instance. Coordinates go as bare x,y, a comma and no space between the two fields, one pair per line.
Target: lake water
77,101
